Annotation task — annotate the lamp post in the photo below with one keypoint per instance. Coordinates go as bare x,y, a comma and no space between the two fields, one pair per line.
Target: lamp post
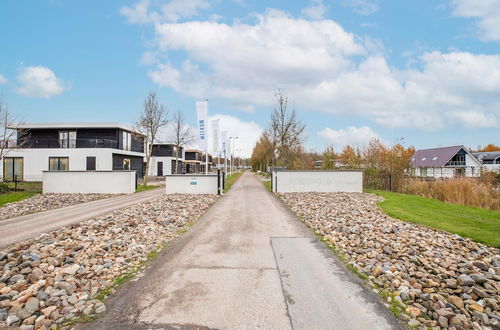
237,153
232,138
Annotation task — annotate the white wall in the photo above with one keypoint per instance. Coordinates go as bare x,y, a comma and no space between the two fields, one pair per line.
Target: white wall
87,182
167,165
191,184
318,181
36,160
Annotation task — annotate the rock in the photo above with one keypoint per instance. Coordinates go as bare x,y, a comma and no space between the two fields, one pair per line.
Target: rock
451,283
465,280
29,308
413,311
42,295
3,314
11,319
66,286
475,307
413,323
481,265
100,309
478,278
443,322
70,270
48,311
456,301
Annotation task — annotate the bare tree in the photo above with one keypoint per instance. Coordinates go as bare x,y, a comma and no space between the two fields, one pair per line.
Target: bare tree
153,117
11,136
286,132
182,135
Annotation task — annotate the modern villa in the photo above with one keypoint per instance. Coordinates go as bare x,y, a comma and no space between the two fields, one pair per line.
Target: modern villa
163,159
75,147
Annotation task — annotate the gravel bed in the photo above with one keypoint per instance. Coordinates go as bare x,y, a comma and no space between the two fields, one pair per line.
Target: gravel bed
45,202
433,278
58,276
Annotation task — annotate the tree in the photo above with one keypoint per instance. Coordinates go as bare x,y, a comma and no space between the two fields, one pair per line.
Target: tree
153,117
182,135
490,147
350,157
262,153
329,158
11,136
285,132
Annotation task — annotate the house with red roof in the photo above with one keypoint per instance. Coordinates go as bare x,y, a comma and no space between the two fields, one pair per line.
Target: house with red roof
447,162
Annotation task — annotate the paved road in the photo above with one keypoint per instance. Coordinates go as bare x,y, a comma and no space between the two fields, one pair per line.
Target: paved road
225,274
32,225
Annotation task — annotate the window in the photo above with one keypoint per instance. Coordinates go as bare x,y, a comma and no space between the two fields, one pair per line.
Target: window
91,163
424,158
126,164
67,139
423,171
13,169
434,158
126,141
58,164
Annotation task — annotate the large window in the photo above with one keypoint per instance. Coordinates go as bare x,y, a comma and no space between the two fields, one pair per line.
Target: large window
58,164
67,139
13,169
91,163
127,141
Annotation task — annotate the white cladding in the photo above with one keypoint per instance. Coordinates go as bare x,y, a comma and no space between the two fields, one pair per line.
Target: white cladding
36,160
88,182
191,184
318,181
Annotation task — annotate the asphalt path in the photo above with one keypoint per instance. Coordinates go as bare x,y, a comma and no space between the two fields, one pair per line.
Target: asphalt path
248,263
32,225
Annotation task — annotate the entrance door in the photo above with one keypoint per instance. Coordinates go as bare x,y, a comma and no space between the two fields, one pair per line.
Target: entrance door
159,165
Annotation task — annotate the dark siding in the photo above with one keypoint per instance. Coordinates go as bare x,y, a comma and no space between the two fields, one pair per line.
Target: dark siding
164,151
135,164
192,156
137,143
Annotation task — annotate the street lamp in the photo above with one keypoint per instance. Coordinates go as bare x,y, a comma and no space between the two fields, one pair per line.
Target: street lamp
237,153
232,138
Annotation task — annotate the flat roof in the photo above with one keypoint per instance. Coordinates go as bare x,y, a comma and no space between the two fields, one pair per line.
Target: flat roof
78,125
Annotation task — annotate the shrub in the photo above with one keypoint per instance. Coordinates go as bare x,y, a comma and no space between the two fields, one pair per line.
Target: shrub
4,187
479,192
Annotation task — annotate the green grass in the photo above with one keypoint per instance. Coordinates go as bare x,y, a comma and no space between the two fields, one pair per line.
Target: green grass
16,196
480,225
231,179
142,187
24,190
267,184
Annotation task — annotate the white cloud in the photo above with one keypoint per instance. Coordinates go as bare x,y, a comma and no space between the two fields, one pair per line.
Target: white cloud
316,11
473,119
248,133
39,81
3,80
362,7
356,137
323,67
486,12
146,11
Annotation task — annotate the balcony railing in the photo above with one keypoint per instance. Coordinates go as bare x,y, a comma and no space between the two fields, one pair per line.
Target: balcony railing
70,143
456,163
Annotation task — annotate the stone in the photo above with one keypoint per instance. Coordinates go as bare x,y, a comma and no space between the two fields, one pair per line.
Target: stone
413,311
465,280
475,307
100,309
456,301
478,278
66,286
29,308
3,314
42,295
481,265
443,322
11,319
451,283
48,311
70,270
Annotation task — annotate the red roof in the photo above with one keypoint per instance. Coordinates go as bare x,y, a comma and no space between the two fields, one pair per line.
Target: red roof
435,157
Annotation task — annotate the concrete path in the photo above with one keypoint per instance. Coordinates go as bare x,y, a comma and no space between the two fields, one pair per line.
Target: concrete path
32,225
225,274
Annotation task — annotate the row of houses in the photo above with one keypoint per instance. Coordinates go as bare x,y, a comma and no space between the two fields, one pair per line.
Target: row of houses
92,147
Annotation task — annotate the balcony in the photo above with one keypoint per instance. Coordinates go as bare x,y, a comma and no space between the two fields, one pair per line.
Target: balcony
454,163
70,143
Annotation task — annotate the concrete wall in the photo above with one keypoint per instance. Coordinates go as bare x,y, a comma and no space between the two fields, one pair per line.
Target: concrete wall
191,184
37,160
318,181
87,182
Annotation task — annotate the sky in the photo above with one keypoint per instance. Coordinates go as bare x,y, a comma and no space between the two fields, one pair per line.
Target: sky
424,73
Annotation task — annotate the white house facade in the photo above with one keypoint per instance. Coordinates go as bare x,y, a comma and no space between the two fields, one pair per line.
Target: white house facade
447,162
163,158
73,147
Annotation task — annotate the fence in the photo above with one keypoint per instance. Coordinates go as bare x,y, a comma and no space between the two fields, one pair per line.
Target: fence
89,182
318,181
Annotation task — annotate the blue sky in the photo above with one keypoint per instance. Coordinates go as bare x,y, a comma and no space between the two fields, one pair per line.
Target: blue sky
428,71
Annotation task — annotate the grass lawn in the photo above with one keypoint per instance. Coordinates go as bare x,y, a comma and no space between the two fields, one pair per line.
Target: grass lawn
142,187
480,225
231,179
25,190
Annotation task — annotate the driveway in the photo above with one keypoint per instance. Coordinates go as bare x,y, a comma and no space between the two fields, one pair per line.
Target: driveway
32,225
248,263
